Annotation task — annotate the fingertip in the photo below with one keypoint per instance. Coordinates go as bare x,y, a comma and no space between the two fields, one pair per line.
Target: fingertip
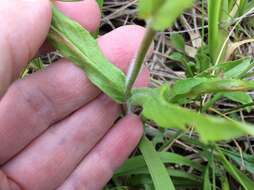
121,45
87,13
24,27
133,127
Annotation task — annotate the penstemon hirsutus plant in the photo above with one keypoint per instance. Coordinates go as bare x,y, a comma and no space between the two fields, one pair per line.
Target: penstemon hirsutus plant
160,105
76,44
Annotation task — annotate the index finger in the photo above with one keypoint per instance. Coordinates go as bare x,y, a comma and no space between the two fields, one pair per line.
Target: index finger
24,26
19,43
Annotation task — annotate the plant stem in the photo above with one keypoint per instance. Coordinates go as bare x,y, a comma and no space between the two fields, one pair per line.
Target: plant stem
214,8
137,64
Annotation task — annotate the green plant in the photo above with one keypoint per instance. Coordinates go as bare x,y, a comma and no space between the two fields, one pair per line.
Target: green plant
210,76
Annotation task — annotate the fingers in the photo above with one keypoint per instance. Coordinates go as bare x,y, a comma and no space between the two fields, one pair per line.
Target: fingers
87,13
97,168
35,17
19,42
126,53
59,150
31,105
128,50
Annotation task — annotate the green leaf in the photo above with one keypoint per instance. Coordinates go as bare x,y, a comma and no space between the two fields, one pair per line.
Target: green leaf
100,3
180,57
147,8
137,162
76,44
241,97
203,60
162,13
145,182
157,109
244,180
245,160
192,87
236,68
182,89
224,183
37,64
177,41
159,174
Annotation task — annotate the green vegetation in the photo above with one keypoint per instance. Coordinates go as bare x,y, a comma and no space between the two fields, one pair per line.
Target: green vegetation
185,110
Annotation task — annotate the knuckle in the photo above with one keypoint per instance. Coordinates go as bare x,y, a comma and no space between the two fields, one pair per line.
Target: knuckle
34,99
7,184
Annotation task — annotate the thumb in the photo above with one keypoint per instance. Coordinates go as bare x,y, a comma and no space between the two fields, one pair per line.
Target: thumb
24,25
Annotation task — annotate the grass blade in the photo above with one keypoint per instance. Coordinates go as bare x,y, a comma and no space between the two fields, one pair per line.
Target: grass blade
207,183
246,182
159,173
138,162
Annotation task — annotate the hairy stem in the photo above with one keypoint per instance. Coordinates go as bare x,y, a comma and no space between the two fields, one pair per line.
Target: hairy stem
137,64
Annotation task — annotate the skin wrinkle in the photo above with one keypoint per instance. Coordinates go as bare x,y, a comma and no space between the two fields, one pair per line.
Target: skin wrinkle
9,184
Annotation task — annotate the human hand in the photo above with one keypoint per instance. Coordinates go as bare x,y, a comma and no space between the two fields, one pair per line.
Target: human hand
55,126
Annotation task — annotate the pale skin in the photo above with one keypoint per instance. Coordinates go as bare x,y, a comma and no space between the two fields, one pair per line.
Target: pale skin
57,130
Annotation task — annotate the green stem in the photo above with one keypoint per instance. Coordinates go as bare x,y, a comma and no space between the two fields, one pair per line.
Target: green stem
214,8
137,64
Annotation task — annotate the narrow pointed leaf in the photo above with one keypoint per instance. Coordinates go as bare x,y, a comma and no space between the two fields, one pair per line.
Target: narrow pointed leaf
138,162
159,173
77,45
207,184
239,176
